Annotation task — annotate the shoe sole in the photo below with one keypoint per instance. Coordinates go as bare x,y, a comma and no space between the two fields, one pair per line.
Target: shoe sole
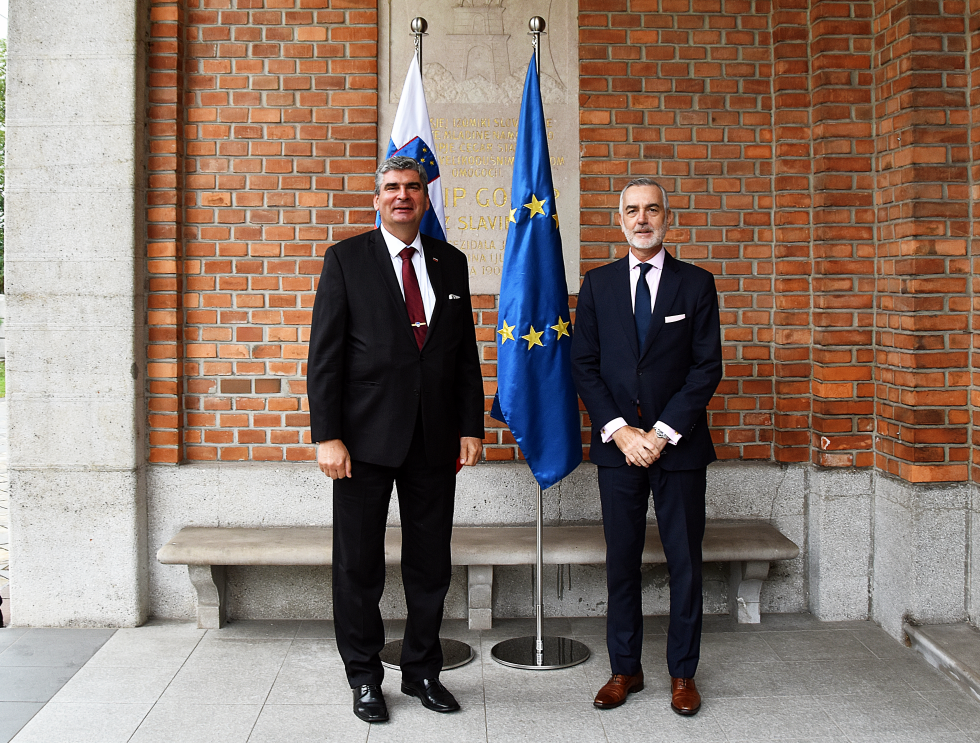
410,693
371,719
685,712
633,690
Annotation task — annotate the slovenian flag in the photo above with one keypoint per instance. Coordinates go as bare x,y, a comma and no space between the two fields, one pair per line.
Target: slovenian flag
411,136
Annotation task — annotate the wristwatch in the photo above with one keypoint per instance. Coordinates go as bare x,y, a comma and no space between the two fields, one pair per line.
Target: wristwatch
661,434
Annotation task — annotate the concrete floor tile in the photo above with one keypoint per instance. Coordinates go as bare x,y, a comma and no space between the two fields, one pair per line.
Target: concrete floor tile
257,629
816,645
640,723
882,644
312,673
115,685
316,629
851,676
54,647
14,715
205,684
883,714
83,723
26,684
241,652
730,647
213,723
307,723
958,706
551,723
8,635
158,646
410,721
917,673
750,680
773,718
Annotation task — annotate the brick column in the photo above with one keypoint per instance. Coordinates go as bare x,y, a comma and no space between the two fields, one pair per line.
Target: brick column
923,314
792,171
164,230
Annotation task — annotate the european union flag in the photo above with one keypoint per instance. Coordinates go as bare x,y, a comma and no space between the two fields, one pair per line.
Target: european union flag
535,393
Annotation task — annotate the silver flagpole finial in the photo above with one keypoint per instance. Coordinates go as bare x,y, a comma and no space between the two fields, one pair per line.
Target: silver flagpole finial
419,28
536,25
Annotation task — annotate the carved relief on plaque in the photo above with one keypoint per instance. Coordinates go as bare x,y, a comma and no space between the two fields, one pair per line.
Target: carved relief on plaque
474,61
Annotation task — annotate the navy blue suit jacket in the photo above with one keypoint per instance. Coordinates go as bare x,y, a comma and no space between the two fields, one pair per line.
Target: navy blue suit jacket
366,374
672,378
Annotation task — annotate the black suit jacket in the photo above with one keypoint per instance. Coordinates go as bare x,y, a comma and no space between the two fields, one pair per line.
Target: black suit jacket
672,378
366,374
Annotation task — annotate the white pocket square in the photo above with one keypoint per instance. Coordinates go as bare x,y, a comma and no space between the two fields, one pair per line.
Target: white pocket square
674,318
454,296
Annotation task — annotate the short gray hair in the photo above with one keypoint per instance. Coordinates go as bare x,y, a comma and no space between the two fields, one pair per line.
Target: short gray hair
643,181
400,162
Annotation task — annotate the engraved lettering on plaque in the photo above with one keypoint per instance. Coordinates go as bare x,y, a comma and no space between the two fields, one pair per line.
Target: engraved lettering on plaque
474,61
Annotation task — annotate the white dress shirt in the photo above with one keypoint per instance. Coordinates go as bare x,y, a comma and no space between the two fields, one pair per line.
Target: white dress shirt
396,246
653,281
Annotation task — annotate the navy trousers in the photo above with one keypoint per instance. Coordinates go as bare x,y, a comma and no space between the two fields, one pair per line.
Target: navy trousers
678,500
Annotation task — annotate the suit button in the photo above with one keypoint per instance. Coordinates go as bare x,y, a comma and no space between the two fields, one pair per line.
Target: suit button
416,392
639,373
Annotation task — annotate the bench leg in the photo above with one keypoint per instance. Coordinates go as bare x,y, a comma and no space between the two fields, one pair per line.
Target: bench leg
745,584
209,582
480,579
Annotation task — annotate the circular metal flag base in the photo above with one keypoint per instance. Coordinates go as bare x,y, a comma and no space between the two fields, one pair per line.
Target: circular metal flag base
557,652
454,654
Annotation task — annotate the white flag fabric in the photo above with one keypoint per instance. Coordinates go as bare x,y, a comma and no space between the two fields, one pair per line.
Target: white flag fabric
411,136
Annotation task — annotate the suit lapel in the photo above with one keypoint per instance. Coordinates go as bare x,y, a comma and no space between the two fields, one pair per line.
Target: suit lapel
624,304
435,278
666,292
383,259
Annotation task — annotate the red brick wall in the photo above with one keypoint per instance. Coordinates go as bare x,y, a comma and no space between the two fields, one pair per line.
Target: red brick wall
974,69
773,125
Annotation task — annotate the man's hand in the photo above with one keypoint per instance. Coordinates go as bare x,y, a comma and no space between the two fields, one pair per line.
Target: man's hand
333,459
658,442
639,450
470,449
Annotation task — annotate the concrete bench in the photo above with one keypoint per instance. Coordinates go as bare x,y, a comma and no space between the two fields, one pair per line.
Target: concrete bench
749,547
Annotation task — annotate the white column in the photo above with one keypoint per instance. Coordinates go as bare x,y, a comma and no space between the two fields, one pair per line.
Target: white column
75,298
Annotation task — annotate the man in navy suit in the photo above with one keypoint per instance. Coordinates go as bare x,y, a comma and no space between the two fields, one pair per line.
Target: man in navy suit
646,359
396,396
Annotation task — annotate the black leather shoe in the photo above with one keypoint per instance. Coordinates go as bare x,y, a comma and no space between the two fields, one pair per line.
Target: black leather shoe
369,703
433,694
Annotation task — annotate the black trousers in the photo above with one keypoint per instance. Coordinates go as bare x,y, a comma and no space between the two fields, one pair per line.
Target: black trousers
678,500
426,495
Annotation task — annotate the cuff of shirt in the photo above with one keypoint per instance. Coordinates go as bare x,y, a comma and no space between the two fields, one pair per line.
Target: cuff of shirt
672,436
610,428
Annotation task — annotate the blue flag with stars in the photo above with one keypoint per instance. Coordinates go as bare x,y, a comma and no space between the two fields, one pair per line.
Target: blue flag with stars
535,393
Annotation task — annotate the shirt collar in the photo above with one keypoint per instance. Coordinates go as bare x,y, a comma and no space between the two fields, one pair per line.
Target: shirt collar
396,246
657,261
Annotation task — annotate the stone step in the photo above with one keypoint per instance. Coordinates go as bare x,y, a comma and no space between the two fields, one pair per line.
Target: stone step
952,648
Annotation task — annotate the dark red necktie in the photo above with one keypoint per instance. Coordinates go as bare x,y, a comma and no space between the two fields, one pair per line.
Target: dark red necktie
413,295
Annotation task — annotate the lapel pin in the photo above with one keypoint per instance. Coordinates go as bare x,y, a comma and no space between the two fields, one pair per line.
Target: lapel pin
454,296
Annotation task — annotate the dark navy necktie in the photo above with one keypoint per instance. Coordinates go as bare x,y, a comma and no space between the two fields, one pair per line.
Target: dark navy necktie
642,309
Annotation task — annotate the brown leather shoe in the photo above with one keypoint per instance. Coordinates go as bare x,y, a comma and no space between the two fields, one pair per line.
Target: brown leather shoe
615,691
684,697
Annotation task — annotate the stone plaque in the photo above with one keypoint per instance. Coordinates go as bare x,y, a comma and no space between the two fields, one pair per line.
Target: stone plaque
474,61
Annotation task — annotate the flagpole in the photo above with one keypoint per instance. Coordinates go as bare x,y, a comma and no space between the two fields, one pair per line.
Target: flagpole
419,28
454,652
539,653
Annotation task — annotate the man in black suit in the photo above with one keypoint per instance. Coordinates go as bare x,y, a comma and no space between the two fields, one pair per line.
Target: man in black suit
646,359
396,396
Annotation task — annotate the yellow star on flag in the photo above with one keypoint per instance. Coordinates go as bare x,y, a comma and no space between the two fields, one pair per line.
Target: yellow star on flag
535,205
507,333
533,338
555,217
512,213
561,328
